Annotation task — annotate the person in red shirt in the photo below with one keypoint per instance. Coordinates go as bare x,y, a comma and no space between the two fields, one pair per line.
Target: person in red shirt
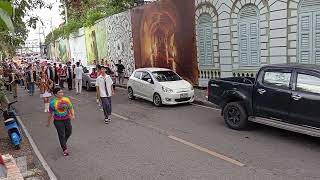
94,73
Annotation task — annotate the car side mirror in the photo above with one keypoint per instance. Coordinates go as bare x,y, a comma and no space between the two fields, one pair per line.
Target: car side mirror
150,81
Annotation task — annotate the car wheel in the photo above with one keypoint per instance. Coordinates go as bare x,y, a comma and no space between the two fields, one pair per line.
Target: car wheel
130,94
235,116
157,100
87,86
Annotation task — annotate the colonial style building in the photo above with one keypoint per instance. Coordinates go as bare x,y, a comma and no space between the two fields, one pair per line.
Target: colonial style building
236,37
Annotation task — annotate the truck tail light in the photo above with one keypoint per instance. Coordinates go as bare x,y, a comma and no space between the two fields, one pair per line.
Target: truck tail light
209,90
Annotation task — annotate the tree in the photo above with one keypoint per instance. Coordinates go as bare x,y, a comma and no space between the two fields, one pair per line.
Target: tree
21,19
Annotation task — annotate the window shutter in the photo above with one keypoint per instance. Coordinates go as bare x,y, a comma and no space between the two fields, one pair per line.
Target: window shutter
249,36
244,44
205,34
209,49
254,44
317,37
202,49
305,41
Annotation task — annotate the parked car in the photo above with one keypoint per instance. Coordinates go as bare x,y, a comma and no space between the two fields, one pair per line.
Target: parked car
282,96
160,86
89,78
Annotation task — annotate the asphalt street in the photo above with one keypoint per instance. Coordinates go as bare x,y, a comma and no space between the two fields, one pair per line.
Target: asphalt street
172,142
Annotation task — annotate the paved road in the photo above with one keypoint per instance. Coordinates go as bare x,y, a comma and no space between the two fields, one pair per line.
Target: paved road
180,142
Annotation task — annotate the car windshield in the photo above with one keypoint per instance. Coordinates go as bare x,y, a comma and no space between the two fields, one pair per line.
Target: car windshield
163,76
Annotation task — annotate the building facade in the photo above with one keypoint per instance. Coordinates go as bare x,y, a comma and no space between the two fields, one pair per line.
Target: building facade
236,37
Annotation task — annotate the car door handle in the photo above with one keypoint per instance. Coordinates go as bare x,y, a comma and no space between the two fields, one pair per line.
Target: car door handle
296,97
261,91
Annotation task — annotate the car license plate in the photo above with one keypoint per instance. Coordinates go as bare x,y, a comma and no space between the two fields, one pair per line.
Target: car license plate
184,95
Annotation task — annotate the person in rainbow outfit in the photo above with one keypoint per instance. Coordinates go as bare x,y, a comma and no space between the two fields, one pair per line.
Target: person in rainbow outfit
61,112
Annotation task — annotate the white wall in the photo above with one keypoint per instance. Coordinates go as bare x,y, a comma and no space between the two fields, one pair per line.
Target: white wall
78,46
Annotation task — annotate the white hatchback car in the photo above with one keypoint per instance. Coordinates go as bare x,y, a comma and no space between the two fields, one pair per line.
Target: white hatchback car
160,86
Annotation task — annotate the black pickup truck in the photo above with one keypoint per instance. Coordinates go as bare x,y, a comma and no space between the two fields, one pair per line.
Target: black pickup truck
284,96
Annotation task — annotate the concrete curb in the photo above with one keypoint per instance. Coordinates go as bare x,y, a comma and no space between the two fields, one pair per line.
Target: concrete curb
37,152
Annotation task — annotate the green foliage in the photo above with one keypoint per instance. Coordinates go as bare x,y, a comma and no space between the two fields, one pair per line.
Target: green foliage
86,13
21,20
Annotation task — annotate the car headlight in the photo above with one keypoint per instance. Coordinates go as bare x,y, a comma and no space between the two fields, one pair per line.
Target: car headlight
167,90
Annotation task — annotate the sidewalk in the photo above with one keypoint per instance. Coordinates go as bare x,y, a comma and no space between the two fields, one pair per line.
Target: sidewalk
200,95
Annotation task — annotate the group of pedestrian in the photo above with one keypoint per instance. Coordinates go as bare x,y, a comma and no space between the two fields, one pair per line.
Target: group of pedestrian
50,79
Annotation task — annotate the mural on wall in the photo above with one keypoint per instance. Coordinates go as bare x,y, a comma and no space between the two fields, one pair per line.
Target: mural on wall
91,45
164,36
120,41
78,46
61,50
101,39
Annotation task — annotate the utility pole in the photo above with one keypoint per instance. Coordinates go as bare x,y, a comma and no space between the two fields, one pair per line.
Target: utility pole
66,10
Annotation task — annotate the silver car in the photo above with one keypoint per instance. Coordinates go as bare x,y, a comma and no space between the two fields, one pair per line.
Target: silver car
88,77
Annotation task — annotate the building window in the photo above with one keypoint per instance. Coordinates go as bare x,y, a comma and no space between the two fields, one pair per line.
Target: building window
309,32
249,30
205,39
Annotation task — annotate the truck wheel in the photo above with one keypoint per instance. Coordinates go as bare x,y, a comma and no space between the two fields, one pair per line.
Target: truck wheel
235,116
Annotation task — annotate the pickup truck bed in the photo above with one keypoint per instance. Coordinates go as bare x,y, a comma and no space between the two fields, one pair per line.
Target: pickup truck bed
285,96
232,89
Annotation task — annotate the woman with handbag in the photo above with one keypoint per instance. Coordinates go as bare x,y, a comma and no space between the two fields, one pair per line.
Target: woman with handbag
45,85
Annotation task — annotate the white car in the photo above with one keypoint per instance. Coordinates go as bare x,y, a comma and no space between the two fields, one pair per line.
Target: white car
160,86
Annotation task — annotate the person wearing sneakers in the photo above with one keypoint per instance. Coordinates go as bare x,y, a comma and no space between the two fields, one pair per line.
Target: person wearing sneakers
104,83
61,113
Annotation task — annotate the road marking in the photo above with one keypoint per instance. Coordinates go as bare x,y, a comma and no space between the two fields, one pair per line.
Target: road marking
220,156
75,98
206,107
121,117
215,154
44,163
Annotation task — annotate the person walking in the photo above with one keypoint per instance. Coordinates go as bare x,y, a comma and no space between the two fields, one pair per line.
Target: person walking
62,76
78,72
14,81
51,74
31,79
45,84
69,75
73,77
98,67
61,112
120,71
56,74
104,83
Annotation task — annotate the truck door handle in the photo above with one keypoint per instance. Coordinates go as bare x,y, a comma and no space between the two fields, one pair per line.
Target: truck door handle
296,97
214,85
261,91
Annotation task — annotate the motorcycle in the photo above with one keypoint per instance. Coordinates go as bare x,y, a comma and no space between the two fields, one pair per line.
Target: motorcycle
11,125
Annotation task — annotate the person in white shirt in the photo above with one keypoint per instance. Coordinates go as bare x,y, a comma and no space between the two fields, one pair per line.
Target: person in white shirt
78,71
104,84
